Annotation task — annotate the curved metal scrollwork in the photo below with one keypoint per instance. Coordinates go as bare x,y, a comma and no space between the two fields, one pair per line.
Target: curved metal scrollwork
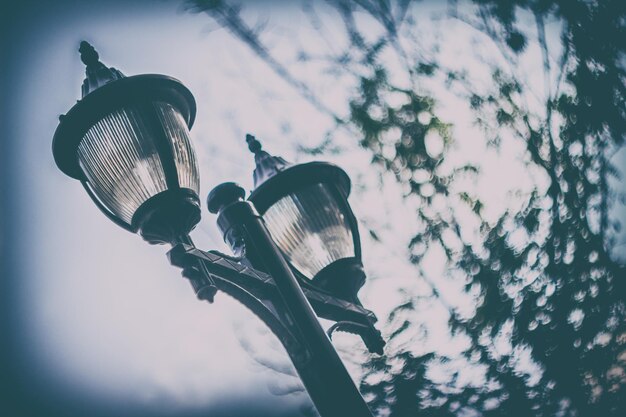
230,277
257,291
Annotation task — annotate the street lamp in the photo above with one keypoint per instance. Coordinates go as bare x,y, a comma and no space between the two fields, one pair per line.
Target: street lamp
127,141
306,210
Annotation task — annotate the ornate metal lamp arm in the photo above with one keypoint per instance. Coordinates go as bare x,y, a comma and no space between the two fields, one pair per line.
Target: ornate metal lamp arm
254,289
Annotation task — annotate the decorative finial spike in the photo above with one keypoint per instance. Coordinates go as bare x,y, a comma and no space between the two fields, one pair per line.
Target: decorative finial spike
88,54
253,144
266,165
97,74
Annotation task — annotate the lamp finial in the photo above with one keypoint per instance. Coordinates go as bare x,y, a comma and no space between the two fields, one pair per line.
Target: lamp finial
266,165
88,54
253,144
97,74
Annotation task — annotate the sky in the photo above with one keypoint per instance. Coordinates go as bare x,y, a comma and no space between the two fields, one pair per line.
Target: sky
95,312
97,319
94,317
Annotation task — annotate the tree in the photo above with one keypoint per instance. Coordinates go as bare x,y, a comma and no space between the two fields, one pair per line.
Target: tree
546,331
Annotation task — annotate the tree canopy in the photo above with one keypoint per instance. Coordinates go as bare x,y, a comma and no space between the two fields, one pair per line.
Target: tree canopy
546,332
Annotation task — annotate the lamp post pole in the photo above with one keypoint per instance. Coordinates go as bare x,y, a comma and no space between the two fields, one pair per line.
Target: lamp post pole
325,377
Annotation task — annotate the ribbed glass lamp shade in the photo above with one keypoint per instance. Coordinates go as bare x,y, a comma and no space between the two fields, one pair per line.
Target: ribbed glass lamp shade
176,130
311,229
119,156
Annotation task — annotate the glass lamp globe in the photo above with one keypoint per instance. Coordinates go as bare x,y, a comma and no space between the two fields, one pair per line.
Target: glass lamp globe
306,210
127,141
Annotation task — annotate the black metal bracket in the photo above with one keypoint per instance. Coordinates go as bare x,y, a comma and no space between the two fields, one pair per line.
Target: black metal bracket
257,291
371,336
246,285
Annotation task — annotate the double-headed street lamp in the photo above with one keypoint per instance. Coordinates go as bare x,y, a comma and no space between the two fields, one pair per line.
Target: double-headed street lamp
296,239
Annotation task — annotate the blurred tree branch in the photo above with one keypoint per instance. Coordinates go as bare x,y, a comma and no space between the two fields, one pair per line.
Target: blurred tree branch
543,274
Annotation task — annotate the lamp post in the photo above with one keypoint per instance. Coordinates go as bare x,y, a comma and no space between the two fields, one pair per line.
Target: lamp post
127,142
